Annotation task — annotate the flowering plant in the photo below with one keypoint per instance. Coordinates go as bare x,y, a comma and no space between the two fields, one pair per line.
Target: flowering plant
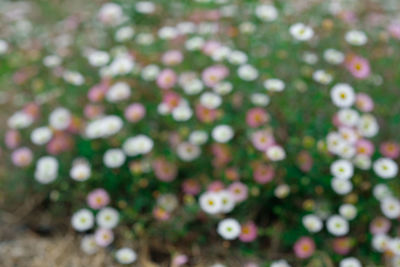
247,122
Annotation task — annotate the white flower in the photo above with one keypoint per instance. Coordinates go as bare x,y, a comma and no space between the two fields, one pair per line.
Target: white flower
188,151
390,207
80,171
266,12
73,77
114,158
348,211
220,53
381,191
124,34
247,27
312,223
342,95
210,202
3,47
348,117
322,76
394,246
98,58
229,229
125,256
198,137
301,32
367,126
280,263
357,38
247,72
111,14
20,120
350,262
310,57
222,133
182,113
51,61
138,145
341,186
169,202
380,242
194,43
385,168
82,220
46,169
337,225
107,218
362,161
145,38
150,72
168,32
145,7
88,244
276,153
193,87
274,85
223,88
121,65
282,191
342,169
261,100
333,56
104,127
41,135
227,201
210,100
186,27
237,57
60,118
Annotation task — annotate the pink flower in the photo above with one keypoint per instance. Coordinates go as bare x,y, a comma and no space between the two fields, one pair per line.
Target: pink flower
32,109
171,99
103,237
206,115
210,46
12,139
222,154
161,214
239,191
365,147
263,174
214,74
98,199
304,247
135,112
179,260
249,232
172,57
390,149
93,111
191,187
22,157
164,170
216,186
97,92
358,67
342,245
262,140
364,102
256,117
394,30
305,161
380,225
166,79
61,142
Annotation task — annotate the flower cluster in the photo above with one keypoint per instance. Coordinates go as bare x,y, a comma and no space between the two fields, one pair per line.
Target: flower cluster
216,123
